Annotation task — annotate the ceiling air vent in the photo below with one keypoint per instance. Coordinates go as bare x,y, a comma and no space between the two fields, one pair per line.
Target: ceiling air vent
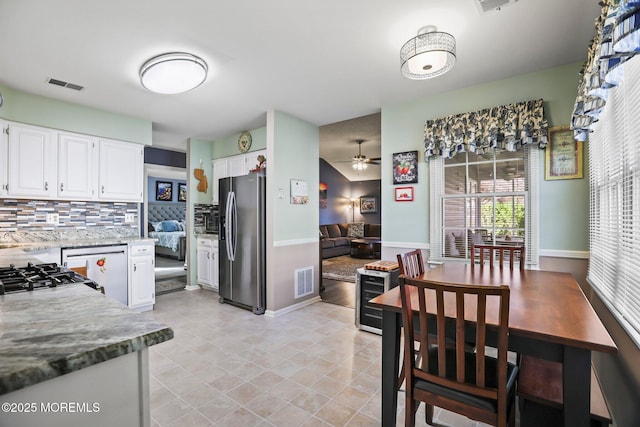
65,84
485,6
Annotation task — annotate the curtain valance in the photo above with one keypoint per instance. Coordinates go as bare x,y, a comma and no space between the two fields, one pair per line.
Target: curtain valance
616,41
506,127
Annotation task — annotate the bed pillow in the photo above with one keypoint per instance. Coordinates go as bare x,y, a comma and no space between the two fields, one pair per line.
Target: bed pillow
157,226
170,225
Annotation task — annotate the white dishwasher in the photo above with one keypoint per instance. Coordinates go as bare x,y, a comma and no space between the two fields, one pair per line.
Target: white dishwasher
107,265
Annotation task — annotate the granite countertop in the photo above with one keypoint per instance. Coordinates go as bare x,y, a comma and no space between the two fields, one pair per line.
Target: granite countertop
51,332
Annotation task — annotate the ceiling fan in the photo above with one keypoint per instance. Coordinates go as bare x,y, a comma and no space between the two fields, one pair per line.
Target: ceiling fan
360,162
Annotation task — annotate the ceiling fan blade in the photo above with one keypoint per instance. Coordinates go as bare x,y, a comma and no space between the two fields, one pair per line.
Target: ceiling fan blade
375,159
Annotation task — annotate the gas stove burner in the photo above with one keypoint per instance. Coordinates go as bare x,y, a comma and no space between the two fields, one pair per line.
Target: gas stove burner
39,276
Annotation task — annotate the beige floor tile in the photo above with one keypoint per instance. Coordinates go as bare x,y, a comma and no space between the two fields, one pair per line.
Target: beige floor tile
362,420
170,411
240,418
335,414
245,392
191,419
265,404
310,401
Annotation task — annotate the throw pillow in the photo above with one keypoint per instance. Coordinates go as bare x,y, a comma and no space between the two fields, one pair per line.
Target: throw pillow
157,226
169,226
355,229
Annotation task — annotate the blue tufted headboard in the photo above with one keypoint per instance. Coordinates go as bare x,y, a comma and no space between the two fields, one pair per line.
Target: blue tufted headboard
161,212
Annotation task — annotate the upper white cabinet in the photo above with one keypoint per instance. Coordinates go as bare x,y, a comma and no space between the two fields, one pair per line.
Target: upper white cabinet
38,162
219,171
32,158
233,166
3,159
77,167
121,165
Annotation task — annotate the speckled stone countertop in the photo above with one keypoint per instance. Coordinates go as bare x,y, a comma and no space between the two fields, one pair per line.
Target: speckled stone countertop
51,332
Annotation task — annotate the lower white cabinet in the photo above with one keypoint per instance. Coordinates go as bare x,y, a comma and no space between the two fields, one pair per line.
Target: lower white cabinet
207,254
142,281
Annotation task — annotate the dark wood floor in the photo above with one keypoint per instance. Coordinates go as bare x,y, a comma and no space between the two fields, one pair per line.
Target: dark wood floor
338,292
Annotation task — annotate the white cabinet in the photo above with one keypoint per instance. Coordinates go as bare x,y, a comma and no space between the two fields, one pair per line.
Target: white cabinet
3,159
207,254
32,162
233,166
219,171
121,174
142,284
77,166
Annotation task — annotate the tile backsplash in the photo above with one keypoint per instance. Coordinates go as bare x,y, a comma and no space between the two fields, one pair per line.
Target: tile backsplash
18,215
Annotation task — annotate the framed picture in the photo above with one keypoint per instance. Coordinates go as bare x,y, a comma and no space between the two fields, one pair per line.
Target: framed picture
323,195
404,194
164,191
405,167
368,205
182,192
563,156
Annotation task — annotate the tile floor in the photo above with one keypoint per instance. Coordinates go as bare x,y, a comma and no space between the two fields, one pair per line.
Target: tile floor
228,367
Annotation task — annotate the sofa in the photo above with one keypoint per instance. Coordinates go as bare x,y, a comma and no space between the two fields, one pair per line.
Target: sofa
335,239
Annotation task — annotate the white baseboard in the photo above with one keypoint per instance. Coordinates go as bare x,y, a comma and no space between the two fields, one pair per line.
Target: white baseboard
294,307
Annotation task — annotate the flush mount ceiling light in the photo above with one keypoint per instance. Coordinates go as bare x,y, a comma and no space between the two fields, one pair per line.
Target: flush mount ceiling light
173,73
429,54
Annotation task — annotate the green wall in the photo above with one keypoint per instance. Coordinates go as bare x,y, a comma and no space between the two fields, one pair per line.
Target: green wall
41,111
564,205
227,147
295,157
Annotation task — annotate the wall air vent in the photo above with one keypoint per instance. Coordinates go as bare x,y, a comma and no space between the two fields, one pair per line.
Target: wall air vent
485,6
303,278
65,84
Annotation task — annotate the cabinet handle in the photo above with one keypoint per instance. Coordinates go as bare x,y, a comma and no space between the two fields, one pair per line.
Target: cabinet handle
61,186
46,186
135,267
103,189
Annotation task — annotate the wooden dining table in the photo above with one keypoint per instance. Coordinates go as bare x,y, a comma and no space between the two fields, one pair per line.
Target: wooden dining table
549,317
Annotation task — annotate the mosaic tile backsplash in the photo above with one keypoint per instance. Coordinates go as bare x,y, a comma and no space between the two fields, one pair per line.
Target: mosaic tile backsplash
31,216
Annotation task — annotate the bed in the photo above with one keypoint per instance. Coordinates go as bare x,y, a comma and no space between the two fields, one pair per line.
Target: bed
167,225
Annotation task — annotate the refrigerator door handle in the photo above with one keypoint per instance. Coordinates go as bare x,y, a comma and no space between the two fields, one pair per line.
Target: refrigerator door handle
234,227
230,226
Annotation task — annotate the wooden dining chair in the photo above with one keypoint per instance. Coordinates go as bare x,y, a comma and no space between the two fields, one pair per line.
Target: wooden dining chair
498,253
411,265
472,384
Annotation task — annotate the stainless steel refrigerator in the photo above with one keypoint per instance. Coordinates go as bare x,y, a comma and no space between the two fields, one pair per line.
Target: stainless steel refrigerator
242,241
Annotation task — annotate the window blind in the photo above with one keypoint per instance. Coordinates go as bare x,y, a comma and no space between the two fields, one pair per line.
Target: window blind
614,177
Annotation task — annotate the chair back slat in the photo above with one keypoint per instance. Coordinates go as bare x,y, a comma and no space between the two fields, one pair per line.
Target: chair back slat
444,301
502,253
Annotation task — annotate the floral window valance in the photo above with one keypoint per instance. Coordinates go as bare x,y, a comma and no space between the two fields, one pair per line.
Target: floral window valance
506,127
616,41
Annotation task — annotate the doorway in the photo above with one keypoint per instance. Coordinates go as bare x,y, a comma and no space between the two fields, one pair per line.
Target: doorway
170,265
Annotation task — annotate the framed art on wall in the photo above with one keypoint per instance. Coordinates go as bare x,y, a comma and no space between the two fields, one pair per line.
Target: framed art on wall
368,205
405,167
182,192
164,191
563,156
404,194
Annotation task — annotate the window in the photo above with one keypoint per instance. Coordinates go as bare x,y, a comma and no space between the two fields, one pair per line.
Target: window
614,223
482,199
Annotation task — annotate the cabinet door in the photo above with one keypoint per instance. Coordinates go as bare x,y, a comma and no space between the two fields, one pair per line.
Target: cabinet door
77,167
215,279
251,159
121,174
237,166
3,159
142,282
32,162
219,171
204,266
